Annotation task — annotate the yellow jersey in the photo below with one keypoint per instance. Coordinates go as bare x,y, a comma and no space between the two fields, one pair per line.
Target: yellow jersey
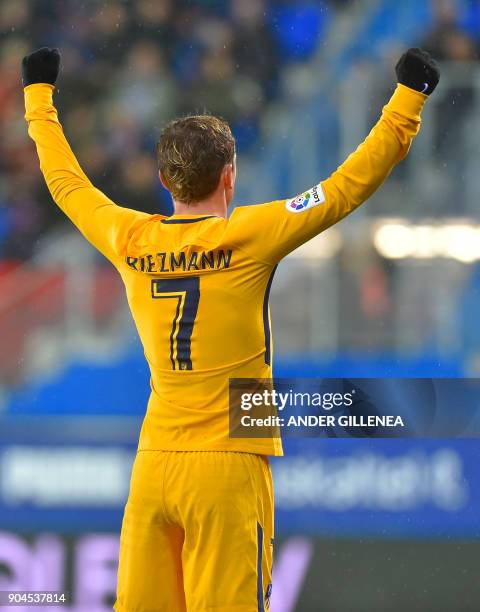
198,285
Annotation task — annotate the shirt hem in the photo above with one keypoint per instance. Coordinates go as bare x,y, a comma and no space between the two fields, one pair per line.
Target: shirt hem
254,449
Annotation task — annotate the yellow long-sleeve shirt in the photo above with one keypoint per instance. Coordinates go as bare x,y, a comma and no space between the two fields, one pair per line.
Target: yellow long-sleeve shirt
198,285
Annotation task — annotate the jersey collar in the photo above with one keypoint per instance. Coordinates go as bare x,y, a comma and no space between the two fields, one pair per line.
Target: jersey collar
177,219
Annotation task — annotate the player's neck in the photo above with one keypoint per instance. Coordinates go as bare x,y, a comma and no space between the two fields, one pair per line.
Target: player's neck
215,204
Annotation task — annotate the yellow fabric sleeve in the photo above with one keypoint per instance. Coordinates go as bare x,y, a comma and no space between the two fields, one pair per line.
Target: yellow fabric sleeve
107,226
386,145
271,231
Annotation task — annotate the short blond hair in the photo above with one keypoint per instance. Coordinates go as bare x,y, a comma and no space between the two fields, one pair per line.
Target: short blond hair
192,152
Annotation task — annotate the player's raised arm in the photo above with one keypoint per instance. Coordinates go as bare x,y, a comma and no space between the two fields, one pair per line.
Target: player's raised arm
282,226
106,225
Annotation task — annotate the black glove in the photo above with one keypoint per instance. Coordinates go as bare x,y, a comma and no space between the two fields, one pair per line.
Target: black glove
41,66
417,70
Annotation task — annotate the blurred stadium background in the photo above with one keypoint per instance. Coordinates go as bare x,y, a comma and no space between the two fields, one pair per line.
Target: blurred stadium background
393,291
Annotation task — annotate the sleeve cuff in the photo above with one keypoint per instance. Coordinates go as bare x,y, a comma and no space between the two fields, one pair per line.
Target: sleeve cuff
406,101
38,96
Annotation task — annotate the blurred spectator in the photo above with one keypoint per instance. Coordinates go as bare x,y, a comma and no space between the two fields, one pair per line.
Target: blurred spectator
449,42
449,38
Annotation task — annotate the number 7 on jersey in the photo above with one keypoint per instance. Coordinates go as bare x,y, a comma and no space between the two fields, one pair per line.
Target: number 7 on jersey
186,291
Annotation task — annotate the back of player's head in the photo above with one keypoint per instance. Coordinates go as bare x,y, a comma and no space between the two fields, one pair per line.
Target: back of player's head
192,152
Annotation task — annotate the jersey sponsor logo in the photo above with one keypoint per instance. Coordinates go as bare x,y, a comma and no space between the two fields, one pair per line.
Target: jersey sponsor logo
308,199
181,261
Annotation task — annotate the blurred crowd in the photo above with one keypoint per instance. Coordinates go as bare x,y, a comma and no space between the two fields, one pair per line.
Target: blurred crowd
128,67
445,183
131,65
455,37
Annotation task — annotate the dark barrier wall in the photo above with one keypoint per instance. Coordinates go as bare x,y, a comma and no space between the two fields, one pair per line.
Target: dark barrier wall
391,576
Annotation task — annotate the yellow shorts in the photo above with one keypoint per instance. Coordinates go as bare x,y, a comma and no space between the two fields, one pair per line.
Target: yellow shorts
197,533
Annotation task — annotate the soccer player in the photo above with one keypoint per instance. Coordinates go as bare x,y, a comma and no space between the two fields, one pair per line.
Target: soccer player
197,533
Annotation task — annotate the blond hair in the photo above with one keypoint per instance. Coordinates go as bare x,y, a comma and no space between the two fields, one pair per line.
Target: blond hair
192,152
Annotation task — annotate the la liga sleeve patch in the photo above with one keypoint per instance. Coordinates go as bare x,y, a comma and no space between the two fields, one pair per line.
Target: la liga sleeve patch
307,199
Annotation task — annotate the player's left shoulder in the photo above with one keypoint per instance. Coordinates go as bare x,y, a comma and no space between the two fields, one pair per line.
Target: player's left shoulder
249,212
